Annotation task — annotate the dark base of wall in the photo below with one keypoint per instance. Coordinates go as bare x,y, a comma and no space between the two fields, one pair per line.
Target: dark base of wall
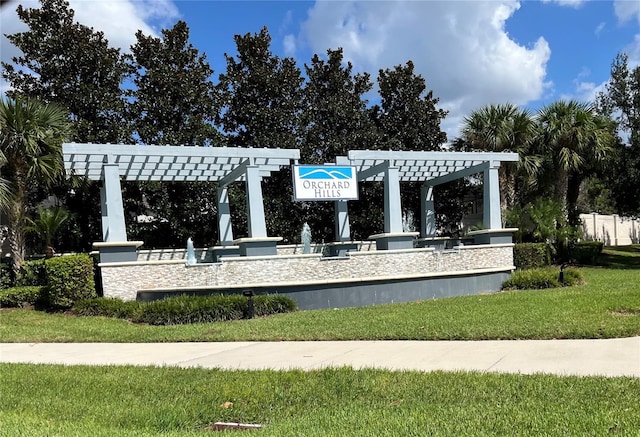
355,294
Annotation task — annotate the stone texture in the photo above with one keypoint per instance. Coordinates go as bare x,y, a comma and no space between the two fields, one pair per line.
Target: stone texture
124,280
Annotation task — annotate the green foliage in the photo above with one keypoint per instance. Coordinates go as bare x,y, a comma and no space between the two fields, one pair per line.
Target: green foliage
31,273
620,102
534,279
18,296
31,135
586,252
107,307
69,279
48,222
71,64
185,309
7,278
532,255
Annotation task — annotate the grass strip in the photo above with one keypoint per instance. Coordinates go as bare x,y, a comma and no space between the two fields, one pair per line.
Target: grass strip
48,400
607,306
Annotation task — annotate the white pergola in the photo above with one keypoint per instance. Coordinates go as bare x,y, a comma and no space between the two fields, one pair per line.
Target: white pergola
110,163
430,168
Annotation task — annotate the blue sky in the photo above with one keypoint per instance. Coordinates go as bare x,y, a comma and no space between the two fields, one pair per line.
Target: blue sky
471,53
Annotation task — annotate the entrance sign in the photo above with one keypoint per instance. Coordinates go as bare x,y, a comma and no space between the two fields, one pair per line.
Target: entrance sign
324,182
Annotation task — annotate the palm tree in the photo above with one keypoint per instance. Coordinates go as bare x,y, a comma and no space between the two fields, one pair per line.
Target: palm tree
575,140
31,136
505,128
47,224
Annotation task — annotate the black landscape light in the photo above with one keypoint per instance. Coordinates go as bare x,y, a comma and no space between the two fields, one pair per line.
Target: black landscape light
249,295
561,275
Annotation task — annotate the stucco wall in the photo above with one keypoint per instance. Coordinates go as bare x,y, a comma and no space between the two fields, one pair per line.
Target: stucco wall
124,280
613,230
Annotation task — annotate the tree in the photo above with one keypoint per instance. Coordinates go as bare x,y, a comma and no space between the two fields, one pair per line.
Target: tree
260,95
173,103
505,128
260,105
574,141
47,224
335,116
621,102
407,117
31,136
70,64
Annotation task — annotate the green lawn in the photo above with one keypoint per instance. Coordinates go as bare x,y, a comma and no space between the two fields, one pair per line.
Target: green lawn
40,400
49,400
608,305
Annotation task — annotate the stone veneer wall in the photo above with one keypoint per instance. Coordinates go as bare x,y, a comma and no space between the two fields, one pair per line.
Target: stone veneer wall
124,280
205,255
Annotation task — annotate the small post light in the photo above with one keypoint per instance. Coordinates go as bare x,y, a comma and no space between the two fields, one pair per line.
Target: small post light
561,275
249,295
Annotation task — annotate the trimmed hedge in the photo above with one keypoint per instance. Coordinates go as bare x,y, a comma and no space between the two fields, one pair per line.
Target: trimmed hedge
586,252
107,307
185,309
532,255
533,279
19,296
69,279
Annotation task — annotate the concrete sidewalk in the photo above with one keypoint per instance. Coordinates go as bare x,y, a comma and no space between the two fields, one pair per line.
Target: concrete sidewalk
611,357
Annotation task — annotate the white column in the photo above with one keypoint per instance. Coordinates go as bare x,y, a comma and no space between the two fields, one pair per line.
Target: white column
255,205
224,217
492,218
427,212
392,204
113,225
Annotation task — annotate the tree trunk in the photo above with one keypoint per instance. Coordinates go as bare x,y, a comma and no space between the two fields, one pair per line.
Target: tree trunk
573,191
16,216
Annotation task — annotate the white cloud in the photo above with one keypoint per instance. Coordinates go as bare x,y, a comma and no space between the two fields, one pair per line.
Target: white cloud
570,3
461,48
289,43
627,10
599,28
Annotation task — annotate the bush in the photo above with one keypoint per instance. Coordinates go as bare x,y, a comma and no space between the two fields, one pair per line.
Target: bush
586,252
532,255
6,276
185,309
19,296
192,309
69,279
107,307
533,279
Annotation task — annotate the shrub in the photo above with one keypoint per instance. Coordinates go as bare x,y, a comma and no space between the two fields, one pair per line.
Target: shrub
192,309
6,276
532,279
185,309
586,252
106,307
69,279
268,304
531,255
18,296
31,273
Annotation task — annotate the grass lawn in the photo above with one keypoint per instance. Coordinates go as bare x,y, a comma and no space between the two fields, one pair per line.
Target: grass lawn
607,306
50,400
40,400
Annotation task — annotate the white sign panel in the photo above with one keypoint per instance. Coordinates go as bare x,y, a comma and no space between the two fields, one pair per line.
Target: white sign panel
324,182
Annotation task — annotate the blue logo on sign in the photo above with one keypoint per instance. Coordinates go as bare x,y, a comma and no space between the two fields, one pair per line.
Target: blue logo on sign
326,172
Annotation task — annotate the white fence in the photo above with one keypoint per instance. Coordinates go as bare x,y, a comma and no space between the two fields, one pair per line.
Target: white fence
612,230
